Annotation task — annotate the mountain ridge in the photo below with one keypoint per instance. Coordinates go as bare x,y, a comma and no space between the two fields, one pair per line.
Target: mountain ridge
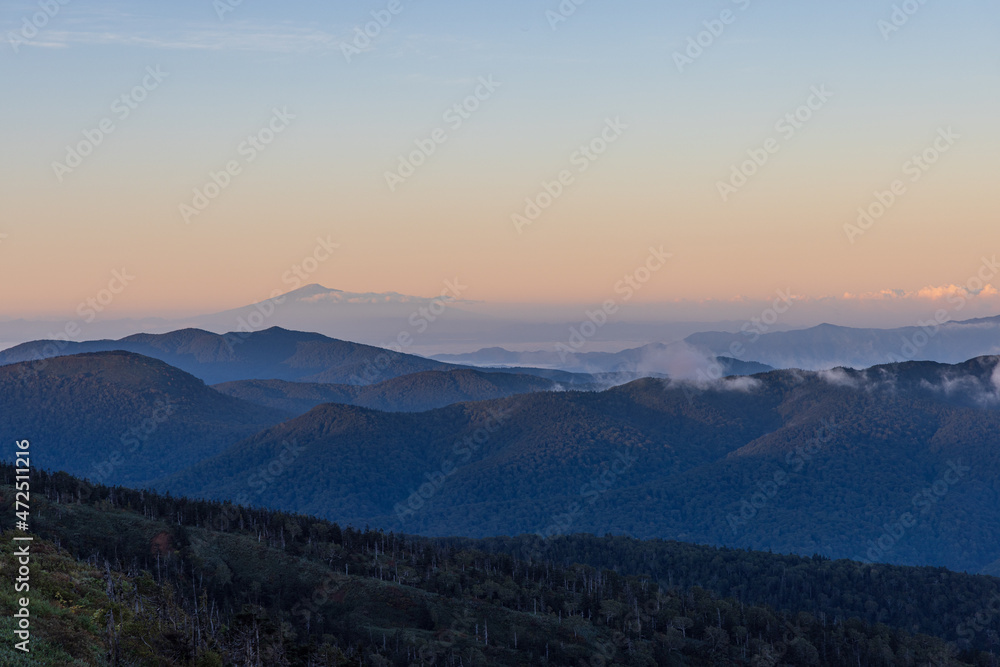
665,459
114,415
416,392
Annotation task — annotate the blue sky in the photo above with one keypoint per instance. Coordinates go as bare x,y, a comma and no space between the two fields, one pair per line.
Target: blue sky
658,185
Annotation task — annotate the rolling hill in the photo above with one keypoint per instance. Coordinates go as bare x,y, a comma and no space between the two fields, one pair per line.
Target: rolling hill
898,463
820,347
271,354
120,417
828,346
407,393
651,360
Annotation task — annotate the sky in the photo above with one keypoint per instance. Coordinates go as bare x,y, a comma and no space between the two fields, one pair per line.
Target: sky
738,138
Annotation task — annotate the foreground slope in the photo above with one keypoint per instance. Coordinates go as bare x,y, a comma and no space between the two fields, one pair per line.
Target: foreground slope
197,583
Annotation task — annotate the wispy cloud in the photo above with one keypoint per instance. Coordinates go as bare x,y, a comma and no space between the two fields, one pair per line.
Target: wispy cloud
931,293
83,25
88,25
283,39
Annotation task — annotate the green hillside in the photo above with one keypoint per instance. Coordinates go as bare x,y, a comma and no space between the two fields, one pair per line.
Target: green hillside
198,583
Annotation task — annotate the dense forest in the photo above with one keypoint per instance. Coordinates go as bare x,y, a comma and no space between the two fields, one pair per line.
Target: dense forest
794,462
415,392
110,416
132,577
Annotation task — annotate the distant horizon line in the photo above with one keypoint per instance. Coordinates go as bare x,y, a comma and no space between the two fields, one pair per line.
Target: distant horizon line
930,294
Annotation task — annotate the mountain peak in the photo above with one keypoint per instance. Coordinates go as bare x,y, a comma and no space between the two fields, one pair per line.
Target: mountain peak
312,289
314,292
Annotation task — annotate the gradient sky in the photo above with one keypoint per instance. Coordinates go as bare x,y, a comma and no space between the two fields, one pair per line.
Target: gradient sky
323,176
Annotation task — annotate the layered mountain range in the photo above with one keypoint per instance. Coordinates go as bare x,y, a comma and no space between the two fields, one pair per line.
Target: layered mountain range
895,463
757,347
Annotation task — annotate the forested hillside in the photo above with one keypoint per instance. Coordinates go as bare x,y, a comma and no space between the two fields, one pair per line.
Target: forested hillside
199,583
897,464
273,353
121,417
270,354
416,392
